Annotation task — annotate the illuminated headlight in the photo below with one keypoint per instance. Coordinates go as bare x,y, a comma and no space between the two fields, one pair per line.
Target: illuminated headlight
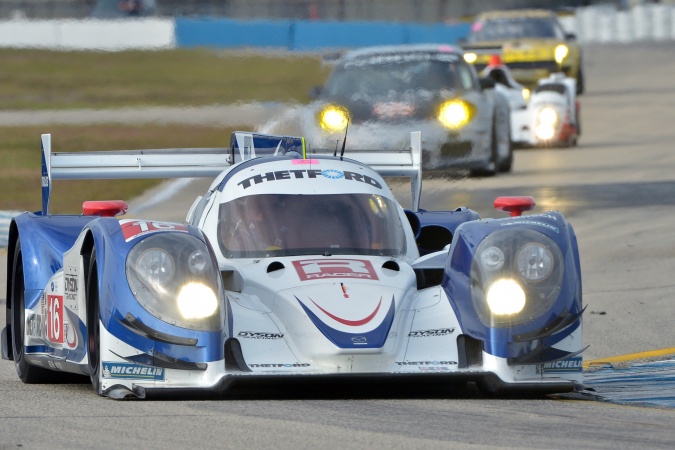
175,278
526,94
333,118
560,53
470,57
547,123
455,114
516,276
196,301
548,116
505,297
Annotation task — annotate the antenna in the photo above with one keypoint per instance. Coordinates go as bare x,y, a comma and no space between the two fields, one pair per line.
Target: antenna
344,141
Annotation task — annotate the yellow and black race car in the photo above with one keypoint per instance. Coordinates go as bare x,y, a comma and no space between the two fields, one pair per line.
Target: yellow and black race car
531,42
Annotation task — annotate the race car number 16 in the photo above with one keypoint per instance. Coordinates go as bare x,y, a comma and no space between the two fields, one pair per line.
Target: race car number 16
55,318
134,228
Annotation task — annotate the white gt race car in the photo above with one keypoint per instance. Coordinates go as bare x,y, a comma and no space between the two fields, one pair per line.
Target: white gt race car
290,267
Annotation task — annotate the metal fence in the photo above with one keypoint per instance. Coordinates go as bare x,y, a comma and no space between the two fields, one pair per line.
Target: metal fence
384,10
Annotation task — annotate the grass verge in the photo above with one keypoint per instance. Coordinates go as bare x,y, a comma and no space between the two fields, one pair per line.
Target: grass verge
42,79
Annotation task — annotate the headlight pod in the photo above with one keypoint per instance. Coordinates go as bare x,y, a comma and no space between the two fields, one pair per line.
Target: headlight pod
333,118
560,53
175,278
515,277
455,113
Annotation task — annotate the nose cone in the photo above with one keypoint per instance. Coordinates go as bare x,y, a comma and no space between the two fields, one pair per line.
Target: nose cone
350,315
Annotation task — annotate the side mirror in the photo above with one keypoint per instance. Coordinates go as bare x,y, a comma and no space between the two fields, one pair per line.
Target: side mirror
570,37
486,83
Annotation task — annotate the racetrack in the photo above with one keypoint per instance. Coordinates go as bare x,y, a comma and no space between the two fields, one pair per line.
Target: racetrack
617,189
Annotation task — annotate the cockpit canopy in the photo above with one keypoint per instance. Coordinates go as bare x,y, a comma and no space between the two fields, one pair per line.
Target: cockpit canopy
296,224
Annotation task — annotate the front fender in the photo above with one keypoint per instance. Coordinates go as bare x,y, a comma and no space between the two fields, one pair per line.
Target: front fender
523,334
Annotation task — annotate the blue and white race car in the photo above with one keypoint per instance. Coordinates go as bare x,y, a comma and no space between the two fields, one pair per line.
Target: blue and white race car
288,268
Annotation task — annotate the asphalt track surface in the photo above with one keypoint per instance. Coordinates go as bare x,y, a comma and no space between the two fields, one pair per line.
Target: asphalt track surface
618,191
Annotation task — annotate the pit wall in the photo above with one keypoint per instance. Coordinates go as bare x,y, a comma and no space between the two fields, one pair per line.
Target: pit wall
604,24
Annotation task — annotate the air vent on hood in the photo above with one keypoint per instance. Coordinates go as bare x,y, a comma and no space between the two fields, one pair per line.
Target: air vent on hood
276,265
391,265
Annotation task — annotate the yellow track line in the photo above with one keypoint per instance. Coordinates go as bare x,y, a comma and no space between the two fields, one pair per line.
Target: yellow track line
630,357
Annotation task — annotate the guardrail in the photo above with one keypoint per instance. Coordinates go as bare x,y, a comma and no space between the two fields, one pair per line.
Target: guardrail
604,24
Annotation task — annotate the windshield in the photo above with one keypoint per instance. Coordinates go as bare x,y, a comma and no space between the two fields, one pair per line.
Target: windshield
286,225
393,75
514,28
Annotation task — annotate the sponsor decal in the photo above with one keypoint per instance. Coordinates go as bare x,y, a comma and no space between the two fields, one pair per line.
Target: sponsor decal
318,269
331,174
532,222
565,365
304,161
70,290
136,228
351,323
55,318
259,335
280,365
360,340
36,326
431,333
426,363
434,369
132,371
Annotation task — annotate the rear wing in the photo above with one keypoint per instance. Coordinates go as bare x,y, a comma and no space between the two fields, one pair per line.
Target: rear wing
193,162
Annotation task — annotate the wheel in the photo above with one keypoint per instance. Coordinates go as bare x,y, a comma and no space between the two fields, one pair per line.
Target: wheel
580,81
93,328
490,169
27,373
507,164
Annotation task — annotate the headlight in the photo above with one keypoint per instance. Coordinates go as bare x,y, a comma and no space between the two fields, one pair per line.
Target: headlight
526,95
547,116
455,113
534,262
470,57
560,53
175,278
547,123
515,277
333,118
505,297
156,266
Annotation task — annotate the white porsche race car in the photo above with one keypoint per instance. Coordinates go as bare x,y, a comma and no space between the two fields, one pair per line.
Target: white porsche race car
290,267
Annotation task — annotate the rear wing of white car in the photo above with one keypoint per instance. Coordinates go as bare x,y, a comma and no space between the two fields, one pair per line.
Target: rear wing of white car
205,162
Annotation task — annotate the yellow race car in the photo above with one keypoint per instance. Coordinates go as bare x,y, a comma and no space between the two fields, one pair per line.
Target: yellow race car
531,42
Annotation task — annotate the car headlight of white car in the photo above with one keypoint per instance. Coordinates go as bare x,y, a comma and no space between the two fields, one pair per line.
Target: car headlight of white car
175,278
333,118
548,120
515,277
455,113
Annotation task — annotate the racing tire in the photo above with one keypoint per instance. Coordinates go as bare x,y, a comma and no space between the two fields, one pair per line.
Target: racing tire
580,82
490,169
28,373
93,321
507,164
